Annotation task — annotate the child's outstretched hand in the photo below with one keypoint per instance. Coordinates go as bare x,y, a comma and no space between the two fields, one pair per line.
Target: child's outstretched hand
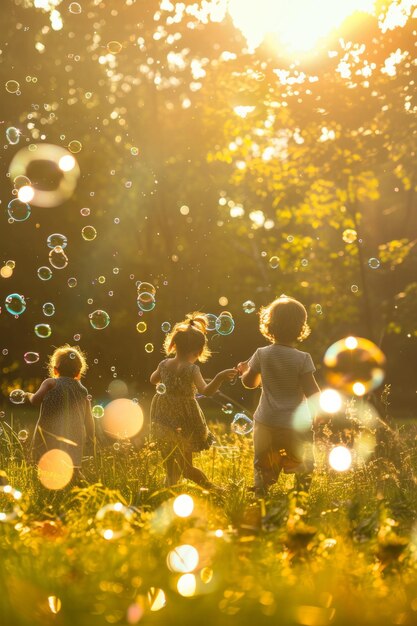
242,367
229,374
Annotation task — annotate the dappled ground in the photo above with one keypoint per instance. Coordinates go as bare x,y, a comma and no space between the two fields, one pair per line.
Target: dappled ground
121,549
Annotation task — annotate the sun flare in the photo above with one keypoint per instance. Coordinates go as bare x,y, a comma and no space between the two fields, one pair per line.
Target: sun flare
298,24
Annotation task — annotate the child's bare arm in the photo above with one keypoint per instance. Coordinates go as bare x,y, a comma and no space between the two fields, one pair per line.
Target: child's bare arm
208,389
155,377
309,384
250,379
37,397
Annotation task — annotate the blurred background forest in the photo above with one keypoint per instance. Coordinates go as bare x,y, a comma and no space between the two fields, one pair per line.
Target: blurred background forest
217,169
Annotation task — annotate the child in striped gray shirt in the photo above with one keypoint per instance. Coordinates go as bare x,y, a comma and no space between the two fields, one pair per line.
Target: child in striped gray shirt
283,433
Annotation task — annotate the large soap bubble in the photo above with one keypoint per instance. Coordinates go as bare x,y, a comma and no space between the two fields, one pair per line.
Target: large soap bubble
46,158
99,319
18,210
242,424
15,304
225,324
354,365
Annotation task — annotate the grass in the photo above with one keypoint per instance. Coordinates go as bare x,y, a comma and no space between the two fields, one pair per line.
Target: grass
344,555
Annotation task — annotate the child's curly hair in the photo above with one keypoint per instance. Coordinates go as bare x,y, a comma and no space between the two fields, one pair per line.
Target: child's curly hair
284,320
67,361
188,337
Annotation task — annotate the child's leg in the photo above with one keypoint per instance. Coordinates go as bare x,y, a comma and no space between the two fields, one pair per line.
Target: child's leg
193,473
267,460
172,463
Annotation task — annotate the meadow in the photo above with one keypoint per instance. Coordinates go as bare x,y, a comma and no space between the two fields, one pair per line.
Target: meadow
120,548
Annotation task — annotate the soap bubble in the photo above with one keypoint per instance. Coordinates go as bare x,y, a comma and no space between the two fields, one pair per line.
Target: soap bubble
15,304
43,331
75,146
354,288
23,435
89,233
48,309
45,157
75,8
149,348
161,389
274,262
145,287
211,319
101,280
56,239
224,324
57,258
141,327
17,396
354,365
349,235
9,504
241,424
12,86
248,306
340,458
18,211
85,212
31,357
99,319
374,263
13,135
165,327
227,408
122,419
44,273
72,282
114,47
114,520
97,411
146,301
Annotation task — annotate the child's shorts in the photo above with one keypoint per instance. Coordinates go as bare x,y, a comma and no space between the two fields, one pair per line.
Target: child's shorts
283,449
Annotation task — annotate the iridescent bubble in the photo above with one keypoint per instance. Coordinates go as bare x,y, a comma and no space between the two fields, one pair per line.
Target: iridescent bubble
97,411
145,287
141,327
12,86
56,240
77,337
31,357
43,331
354,365
89,233
241,424
149,348
354,288
211,319
114,520
18,211
75,146
13,135
161,389
72,282
48,309
227,408
57,258
248,306
9,504
15,304
23,435
165,327
224,325
101,280
85,212
17,396
374,263
349,235
21,181
122,419
146,301
114,47
44,273
274,262
99,319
